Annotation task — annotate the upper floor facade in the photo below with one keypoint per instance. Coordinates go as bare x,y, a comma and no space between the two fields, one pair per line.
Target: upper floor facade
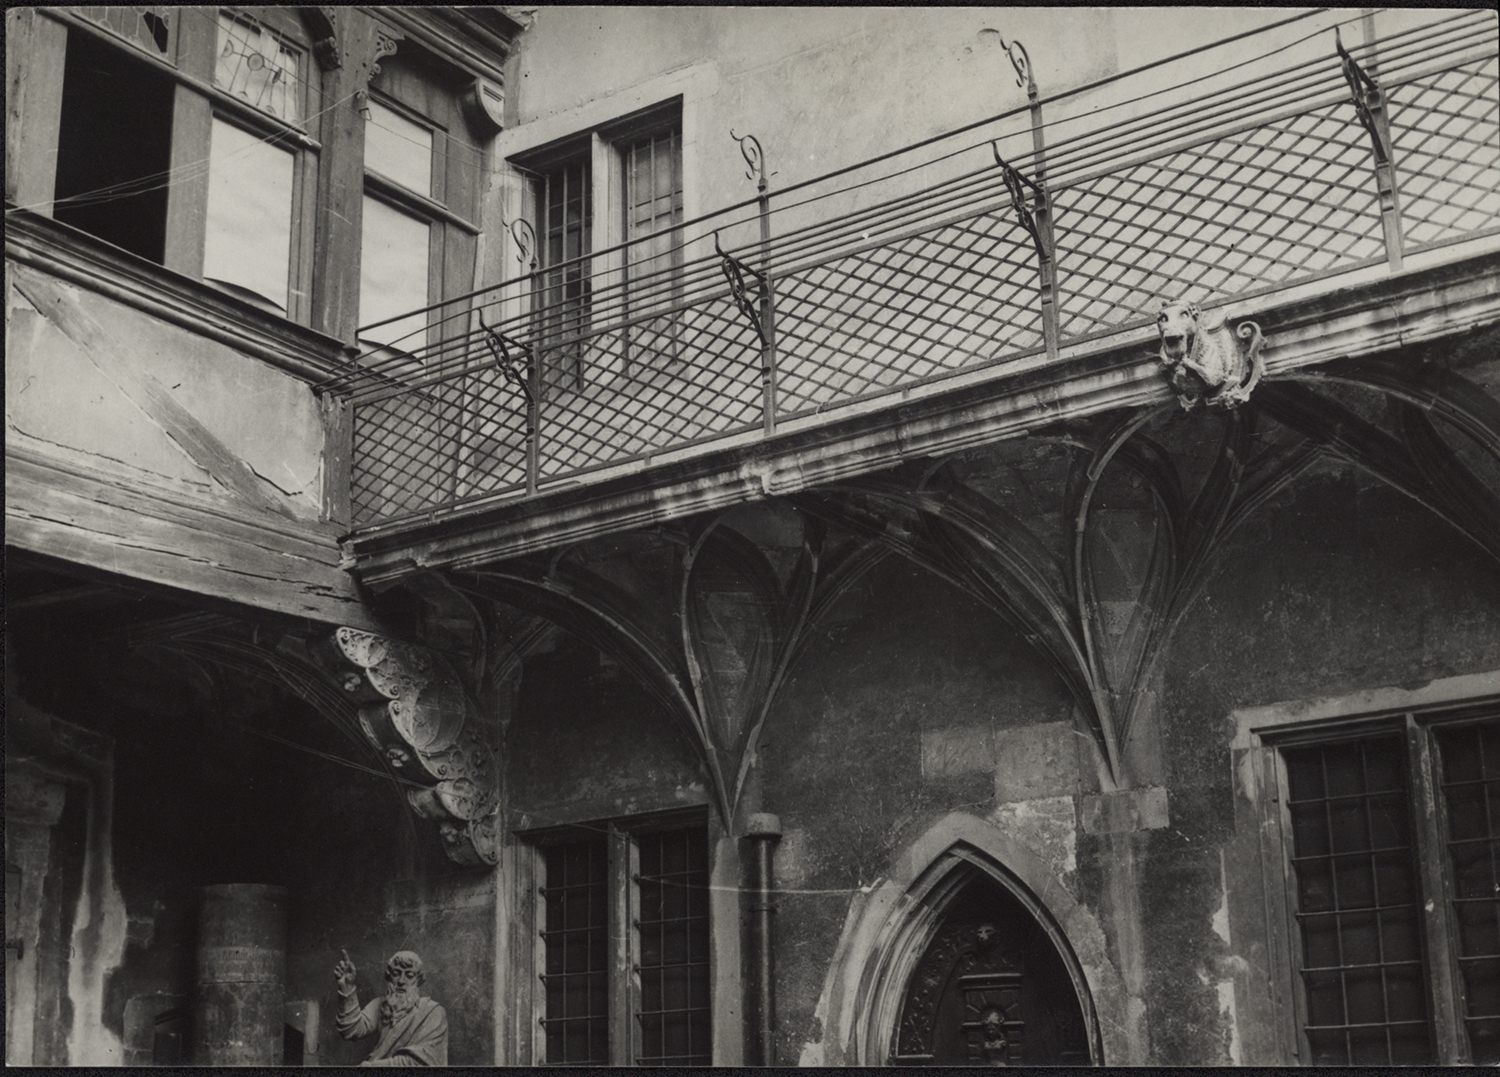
495,283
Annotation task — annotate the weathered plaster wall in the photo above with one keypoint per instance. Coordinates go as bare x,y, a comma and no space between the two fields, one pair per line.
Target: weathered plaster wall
93,412
589,743
826,87
912,703
199,800
921,702
1346,586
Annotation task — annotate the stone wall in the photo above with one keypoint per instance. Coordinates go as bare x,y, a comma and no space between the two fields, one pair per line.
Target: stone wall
911,703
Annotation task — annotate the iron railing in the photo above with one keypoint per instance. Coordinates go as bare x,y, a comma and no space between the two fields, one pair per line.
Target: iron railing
999,246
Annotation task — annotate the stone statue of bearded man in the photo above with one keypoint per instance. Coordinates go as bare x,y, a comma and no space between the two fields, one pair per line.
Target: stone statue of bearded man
413,1030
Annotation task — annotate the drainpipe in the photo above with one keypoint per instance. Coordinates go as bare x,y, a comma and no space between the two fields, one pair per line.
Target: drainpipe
763,830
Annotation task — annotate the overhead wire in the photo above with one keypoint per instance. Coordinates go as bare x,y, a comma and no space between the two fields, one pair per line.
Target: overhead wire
190,170
677,283
573,825
1009,113
788,243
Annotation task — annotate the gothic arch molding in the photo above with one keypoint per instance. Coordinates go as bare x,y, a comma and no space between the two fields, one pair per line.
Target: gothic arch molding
1191,498
887,932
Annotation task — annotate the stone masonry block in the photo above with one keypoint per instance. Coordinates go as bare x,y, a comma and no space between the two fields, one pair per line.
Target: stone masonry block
1123,812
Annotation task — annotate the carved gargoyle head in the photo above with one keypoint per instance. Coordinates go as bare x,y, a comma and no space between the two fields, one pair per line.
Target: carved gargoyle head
1177,325
1205,362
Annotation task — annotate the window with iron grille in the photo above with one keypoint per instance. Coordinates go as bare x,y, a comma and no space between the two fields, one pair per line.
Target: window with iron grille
625,935
609,204
1396,910
565,233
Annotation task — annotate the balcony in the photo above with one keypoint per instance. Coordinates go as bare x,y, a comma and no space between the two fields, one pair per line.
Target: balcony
986,257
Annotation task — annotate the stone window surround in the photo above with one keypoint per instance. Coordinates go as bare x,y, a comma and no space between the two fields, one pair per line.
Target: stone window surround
1254,759
522,861
693,85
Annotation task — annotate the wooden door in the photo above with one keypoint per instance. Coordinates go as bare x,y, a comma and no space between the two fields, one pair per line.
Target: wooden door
990,990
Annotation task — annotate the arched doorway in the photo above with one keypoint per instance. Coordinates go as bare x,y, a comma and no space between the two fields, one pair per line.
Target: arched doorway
991,986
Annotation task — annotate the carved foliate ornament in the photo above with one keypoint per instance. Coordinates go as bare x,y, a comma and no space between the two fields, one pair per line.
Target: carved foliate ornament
429,719
364,649
402,672
428,732
472,843
1204,361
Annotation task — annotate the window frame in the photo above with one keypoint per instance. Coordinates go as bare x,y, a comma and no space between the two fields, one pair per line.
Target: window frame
409,86
1264,733
189,63
623,903
602,147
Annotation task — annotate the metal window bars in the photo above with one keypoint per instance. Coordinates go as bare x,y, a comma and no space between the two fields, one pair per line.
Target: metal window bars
575,938
1358,904
930,263
1471,799
674,1013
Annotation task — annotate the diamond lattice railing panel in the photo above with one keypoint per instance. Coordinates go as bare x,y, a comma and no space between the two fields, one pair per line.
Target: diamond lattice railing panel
954,297
1446,134
492,439
663,383
1244,212
405,453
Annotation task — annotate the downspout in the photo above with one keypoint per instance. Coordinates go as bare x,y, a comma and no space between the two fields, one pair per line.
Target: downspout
763,831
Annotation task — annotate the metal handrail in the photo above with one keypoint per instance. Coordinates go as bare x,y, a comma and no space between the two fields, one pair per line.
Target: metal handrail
920,277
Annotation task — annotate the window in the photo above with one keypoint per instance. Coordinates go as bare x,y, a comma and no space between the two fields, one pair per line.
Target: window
619,185
256,172
114,147
1395,912
182,140
645,890
420,200
565,231
653,210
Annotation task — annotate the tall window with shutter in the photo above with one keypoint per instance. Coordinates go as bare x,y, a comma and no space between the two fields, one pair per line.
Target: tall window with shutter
609,211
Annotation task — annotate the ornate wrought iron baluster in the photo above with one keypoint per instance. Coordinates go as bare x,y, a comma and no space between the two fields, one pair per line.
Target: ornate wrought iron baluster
1033,217
1037,220
500,347
734,273
756,160
1369,107
525,237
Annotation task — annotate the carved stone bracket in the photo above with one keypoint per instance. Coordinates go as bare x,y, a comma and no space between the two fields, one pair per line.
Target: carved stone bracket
385,45
413,708
1204,362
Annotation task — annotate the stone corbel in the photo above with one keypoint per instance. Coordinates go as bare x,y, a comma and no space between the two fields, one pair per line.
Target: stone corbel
483,105
414,709
322,28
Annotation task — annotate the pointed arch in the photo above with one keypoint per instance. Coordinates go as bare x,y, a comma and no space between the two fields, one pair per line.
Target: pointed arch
889,928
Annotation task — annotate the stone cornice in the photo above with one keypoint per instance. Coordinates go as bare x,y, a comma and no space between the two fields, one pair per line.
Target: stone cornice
476,40
71,255
1377,314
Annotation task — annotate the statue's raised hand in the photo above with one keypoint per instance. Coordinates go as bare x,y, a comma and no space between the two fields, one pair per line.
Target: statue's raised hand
343,974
